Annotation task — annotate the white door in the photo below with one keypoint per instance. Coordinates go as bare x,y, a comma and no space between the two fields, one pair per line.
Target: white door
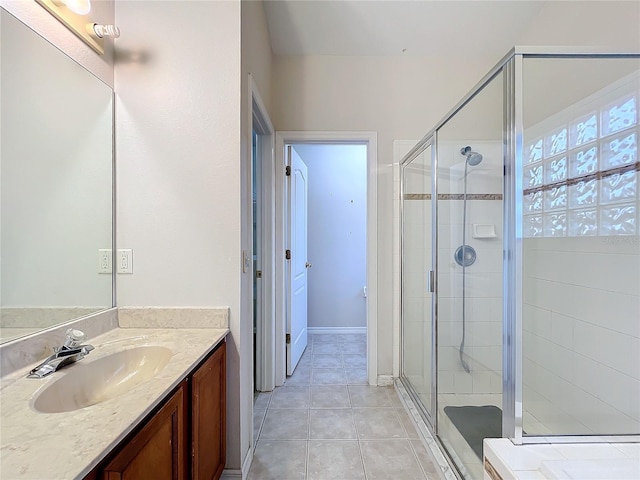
297,265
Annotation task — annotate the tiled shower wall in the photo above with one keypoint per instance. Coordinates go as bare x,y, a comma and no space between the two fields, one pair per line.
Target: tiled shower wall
581,292
484,278
581,335
483,342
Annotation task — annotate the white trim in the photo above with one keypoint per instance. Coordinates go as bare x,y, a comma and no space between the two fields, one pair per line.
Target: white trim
447,470
371,140
265,337
278,252
229,474
384,380
335,330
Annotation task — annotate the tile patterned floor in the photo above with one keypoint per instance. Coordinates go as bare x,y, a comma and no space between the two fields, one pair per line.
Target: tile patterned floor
327,423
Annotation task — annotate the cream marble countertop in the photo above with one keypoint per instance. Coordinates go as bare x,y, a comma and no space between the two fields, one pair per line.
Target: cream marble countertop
39,446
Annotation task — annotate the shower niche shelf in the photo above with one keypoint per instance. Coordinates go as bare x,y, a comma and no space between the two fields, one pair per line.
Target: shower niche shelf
483,230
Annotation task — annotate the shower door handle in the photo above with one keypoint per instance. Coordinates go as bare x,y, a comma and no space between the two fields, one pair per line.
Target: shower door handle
431,281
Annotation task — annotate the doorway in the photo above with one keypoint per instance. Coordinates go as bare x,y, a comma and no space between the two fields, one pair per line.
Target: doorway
305,144
332,261
262,219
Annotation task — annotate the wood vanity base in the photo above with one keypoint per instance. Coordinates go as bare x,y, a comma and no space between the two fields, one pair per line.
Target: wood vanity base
184,438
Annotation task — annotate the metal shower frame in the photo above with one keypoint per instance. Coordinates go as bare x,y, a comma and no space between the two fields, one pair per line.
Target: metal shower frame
511,66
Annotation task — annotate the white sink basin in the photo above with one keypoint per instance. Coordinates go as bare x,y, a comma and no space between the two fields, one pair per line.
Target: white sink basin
89,382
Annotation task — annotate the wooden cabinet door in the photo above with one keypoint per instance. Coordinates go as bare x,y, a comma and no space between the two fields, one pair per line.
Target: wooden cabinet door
158,451
208,432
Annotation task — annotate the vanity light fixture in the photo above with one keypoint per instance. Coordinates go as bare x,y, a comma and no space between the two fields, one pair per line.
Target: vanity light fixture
74,14
81,7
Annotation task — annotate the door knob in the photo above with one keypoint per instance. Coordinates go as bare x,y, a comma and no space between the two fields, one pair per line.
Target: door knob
308,265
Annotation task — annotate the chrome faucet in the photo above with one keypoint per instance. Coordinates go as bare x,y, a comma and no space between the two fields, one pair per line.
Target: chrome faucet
71,351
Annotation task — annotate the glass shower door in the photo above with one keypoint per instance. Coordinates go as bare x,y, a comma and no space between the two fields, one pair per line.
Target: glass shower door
469,278
416,252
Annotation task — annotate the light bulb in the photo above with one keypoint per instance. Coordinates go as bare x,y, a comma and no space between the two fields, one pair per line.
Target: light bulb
81,7
106,31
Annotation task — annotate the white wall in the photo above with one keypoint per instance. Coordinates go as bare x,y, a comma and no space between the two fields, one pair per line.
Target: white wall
337,231
40,20
398,97
404,97
255,61
178,173
608,23
256,48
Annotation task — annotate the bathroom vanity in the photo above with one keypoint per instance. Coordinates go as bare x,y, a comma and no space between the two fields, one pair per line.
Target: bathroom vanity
184,437
169,425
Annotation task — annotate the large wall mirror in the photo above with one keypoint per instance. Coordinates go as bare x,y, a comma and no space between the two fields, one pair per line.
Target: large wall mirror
56,185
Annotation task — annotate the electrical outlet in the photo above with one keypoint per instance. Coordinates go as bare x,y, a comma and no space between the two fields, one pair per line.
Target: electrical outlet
104,260
125,260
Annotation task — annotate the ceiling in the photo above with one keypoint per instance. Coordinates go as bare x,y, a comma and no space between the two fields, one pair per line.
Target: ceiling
397,27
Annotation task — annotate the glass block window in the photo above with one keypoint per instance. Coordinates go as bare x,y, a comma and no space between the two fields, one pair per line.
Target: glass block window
621,150
532,226
584,130
555,143
584,162
533,202
619,115
583,194
533,176
534,152
582,178
555,198
555,170
618,220
616,188
555,225
583,222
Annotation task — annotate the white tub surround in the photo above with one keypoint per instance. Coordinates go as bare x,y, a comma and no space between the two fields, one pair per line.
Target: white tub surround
69,445
584,461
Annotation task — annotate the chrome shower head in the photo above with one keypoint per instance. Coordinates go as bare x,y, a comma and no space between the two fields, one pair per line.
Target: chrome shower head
473,158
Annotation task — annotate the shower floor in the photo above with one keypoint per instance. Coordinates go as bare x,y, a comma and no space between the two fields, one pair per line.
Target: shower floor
457,446
476,423
455,442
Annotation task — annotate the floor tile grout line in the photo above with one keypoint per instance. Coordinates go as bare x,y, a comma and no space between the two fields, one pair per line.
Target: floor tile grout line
415,454
364,470
306,476
306,464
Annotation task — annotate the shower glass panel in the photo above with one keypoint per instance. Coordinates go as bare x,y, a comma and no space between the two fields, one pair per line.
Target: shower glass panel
536,253
469,279
416,264
581,250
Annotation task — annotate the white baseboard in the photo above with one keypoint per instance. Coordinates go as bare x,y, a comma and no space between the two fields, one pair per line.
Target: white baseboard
235,474
228,474
385,380
334,330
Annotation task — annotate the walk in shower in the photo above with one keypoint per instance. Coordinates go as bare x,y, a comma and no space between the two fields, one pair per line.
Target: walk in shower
520,258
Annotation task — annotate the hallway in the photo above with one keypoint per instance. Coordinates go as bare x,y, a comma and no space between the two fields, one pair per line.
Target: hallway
327,423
